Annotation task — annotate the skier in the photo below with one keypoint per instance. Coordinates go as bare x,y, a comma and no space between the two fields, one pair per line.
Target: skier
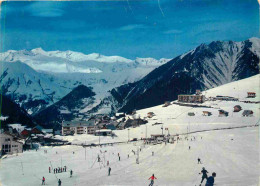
59,182
152,153
128,156
49,169
65,167
204,175
71,172
199,161
210,181
109,170
189,147
107,163
152,180
119,158
98,158
43,180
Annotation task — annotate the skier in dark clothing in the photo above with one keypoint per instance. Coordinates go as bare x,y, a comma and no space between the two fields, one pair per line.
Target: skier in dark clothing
65,167
199,161
109,170
210,181
119,158
43,181
189,147
152,180
71,172
204,174
49,170
59,182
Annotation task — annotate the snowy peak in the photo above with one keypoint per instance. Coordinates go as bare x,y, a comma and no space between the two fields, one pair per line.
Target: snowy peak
73,62
75,56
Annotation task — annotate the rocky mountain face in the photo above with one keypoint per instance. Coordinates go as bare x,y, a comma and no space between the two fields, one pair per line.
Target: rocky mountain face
68,108
14,113
205,67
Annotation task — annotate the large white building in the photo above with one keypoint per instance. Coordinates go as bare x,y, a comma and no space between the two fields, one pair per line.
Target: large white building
78,127
9,145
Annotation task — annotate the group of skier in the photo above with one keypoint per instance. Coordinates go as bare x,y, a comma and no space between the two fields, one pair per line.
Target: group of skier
59,181
210,180
58,170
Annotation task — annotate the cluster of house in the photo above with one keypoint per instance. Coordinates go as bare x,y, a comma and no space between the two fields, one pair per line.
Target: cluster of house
100,125
199,98
18,138
223,113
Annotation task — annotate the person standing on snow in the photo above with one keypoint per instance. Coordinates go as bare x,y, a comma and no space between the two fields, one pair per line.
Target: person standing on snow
199,161
43,180
59,182
71,172
109,170
152,180
210,181
204,174
49,169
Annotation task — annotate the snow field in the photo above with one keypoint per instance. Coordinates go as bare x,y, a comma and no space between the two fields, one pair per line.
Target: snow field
234,161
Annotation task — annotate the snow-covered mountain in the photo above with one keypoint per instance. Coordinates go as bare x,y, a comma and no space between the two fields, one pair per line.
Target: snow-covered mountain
70,61
207,66
37,78
68,108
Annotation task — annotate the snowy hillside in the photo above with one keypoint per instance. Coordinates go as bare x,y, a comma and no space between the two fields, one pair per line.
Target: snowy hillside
231,153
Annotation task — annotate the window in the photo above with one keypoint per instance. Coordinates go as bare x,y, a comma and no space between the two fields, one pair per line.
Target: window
7,139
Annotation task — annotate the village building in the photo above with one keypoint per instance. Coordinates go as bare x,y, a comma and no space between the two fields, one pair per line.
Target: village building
119,115
37,130
224,98
247,113
47,131
78,127
191,98
166,103
150,114
222,113
10,144
191,114
103,132
25,133
198,92
134,123
237,108
206,113
157,137
251,94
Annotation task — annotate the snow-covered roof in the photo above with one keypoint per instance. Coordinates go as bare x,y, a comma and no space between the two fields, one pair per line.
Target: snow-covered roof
3,118
104,130
18,127
78,123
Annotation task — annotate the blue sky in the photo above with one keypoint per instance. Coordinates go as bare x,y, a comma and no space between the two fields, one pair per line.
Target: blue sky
149,28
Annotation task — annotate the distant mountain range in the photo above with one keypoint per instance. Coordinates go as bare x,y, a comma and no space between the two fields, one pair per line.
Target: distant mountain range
36,79
101,84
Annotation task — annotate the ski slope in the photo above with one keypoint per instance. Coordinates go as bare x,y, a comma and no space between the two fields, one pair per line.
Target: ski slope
235,162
